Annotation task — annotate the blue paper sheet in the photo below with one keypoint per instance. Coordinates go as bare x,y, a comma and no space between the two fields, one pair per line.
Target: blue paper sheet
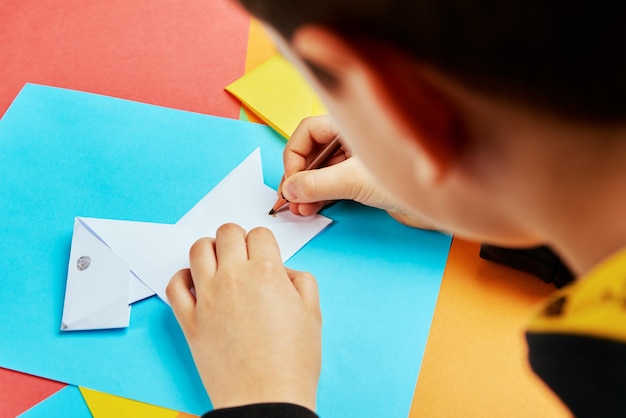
68,402
65,153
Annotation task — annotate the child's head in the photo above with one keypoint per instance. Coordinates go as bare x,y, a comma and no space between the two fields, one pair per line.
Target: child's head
464,108
529,50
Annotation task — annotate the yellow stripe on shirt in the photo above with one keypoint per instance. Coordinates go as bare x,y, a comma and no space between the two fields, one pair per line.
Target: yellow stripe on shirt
595,305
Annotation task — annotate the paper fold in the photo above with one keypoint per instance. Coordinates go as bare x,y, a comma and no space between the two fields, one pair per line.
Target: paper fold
130,260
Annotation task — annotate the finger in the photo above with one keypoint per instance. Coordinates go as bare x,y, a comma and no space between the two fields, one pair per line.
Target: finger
307,209
329,183
279,191
230,245
263,245
180,296
202,261
340,156
305,142
306,286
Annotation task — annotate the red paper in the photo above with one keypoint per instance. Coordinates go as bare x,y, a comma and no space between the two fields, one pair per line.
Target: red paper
177,54
19,392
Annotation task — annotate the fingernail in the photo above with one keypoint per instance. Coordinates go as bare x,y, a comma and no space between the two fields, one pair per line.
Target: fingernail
289,192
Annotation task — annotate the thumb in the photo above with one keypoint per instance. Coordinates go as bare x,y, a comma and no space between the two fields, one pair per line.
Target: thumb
335,182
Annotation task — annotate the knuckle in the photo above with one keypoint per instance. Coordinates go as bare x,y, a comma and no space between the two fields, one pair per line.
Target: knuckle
309,121
306,121
305,275
265,266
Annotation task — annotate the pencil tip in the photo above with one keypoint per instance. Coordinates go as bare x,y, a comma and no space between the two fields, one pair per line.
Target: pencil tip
271,212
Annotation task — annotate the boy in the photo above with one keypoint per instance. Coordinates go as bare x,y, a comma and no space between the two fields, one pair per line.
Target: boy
501,121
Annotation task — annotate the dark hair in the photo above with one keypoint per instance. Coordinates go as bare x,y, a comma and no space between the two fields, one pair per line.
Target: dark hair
567,57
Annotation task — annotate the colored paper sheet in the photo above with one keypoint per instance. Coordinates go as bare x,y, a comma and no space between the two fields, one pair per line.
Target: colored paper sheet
65,153
169,53
19,391
260,49
260,46
68,402
277,94
475,363
103,405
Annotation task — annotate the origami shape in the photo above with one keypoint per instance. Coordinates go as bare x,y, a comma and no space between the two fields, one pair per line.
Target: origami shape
114,263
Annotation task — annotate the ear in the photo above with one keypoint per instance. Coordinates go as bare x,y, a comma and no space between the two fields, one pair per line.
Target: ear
395,84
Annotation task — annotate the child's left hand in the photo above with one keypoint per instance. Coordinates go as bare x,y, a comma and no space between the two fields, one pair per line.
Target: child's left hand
253,326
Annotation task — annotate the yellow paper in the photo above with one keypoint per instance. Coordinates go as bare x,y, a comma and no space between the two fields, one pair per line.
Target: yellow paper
278,95
103,405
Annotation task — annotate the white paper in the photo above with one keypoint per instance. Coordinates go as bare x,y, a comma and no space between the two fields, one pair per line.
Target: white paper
96,296
133,260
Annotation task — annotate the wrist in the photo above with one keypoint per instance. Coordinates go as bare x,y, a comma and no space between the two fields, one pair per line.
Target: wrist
270,410
260,393
413,221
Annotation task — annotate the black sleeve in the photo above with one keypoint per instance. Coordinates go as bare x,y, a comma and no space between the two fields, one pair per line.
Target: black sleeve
263,410
587,373
539,261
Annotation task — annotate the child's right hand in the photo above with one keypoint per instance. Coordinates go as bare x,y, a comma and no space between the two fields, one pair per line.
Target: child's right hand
344,177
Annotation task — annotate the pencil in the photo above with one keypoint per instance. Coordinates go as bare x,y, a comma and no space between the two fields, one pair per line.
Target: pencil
322,158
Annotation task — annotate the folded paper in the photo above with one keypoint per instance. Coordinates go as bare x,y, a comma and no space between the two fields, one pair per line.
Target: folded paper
278,95
114,263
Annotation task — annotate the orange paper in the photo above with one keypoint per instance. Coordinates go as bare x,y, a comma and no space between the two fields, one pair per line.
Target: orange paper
260,49
475,361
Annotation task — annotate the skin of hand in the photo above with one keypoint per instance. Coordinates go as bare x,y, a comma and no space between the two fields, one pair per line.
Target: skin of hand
253,325
344,177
